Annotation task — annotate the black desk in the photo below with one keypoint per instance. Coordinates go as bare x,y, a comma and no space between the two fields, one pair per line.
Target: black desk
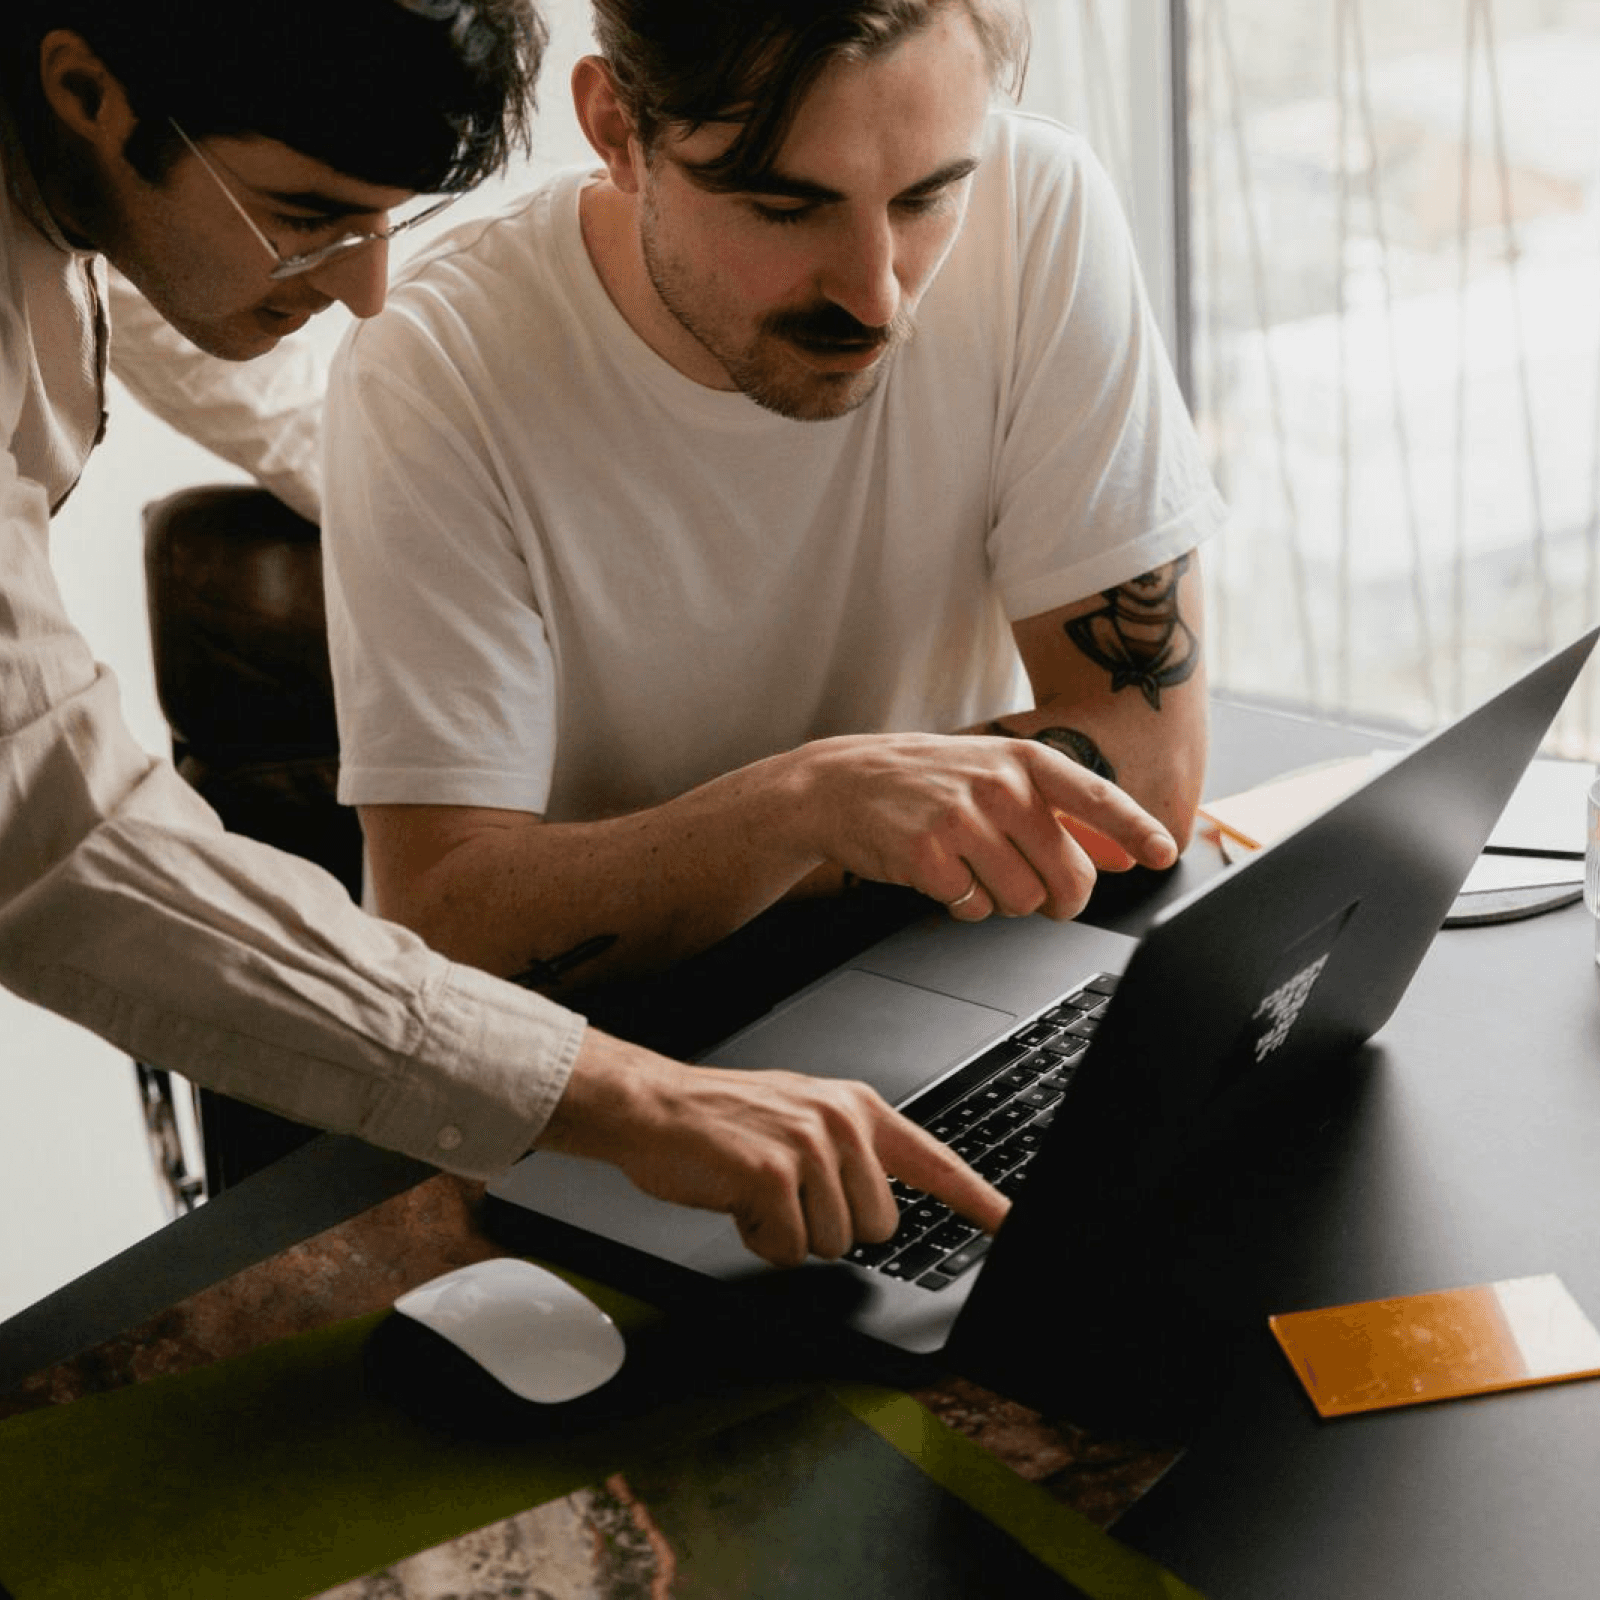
1466,1149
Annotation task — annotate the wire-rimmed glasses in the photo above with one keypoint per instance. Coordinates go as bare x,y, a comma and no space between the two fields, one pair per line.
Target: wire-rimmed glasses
308,260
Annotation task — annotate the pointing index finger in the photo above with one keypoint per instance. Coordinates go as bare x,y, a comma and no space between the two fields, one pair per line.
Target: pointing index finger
917,1158
1105,820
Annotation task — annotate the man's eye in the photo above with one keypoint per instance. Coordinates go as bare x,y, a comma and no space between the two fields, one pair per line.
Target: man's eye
302,224
779,214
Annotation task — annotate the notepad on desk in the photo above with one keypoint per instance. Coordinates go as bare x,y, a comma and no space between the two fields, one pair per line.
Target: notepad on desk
1545,817
1448,1344
1537,843
1257,817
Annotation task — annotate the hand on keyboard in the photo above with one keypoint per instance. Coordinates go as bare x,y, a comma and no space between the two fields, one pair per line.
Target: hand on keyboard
800,1163
993,1113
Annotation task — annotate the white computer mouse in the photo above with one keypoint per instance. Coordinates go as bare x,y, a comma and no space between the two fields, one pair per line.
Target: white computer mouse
529,1330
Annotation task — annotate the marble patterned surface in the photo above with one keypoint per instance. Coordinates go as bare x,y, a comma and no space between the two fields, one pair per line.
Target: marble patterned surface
358,1267
597,1544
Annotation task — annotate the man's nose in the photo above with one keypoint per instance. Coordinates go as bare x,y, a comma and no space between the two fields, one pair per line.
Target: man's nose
860,273
359,277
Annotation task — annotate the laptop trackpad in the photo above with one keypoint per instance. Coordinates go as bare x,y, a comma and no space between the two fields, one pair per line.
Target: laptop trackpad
893,1035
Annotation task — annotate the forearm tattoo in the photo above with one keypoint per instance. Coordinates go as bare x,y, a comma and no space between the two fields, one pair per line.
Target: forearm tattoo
1077,746
537,974
1138,636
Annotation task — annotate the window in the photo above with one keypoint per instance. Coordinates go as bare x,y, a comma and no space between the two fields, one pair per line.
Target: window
1393,233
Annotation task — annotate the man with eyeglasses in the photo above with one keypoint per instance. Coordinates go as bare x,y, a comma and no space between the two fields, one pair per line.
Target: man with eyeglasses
243,166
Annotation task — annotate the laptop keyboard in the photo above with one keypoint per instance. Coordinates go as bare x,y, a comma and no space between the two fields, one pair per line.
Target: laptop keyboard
993,1113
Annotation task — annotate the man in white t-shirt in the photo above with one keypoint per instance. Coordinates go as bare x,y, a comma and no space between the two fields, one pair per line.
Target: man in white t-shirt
680,515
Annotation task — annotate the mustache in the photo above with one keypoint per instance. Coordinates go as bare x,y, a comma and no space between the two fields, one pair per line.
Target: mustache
827,323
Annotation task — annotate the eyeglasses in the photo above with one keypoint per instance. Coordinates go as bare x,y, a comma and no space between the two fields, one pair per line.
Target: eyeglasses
308,260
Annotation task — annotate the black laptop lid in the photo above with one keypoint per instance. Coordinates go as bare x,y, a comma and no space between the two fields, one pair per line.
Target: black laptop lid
1306,948
1260,985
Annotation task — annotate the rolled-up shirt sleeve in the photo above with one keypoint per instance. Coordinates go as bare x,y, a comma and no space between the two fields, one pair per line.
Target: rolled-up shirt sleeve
125,906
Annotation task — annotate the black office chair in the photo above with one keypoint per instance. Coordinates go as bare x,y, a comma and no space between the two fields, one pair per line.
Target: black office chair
239,636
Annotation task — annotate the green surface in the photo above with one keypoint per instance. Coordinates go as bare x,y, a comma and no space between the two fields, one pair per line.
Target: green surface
276,1475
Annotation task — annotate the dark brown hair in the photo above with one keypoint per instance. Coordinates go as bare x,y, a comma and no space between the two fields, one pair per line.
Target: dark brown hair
430,95
751,62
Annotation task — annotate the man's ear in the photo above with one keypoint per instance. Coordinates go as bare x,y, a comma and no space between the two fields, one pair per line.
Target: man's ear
605,123
83,92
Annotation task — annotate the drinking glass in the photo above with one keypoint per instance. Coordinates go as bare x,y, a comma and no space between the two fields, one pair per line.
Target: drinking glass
1591,863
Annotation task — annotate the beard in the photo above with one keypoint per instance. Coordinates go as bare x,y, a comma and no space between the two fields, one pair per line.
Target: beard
769,365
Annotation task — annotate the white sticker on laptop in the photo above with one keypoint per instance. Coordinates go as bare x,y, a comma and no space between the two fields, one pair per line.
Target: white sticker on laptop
1274,1018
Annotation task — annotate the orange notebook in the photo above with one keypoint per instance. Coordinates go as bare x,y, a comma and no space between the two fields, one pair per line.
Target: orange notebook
1439,1346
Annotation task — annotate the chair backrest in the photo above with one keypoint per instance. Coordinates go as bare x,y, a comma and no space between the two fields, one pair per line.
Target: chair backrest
237,622
239,635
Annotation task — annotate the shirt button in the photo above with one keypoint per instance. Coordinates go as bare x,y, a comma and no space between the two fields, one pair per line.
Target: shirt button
449,1138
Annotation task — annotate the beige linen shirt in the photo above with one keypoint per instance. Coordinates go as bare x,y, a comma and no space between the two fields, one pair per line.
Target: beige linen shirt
123,903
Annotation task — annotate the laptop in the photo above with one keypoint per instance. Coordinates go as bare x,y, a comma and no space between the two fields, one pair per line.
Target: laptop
1115,1070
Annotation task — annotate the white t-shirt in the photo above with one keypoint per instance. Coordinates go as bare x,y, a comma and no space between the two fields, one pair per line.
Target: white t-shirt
569,580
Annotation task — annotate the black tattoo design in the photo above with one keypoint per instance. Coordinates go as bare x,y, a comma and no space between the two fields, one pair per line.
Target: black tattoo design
538,973
1138,636
1077,746
1081,748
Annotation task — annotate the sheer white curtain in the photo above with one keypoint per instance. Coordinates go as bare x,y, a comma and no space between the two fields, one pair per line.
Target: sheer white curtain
1103,66
1396,224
